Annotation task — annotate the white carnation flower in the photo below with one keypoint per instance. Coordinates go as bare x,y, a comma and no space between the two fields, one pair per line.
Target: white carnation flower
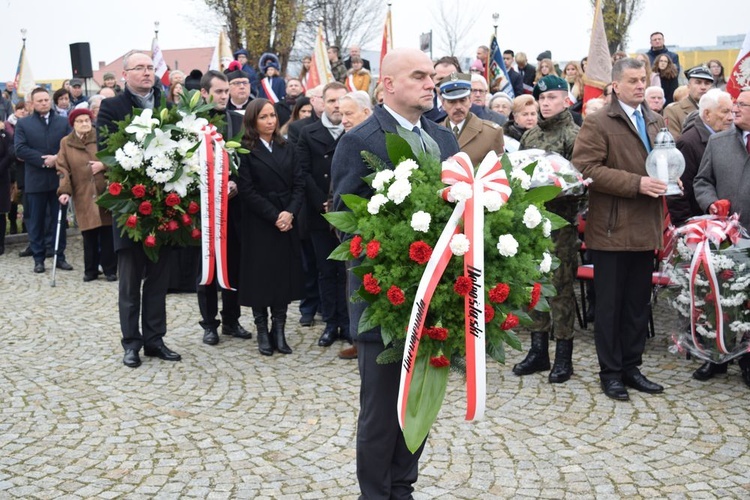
460,191
547,228
131,149
507,245
420,221
377,201
405,168
532,217
546,263
123,159
492,201
523,177
381,178
459,244
399,190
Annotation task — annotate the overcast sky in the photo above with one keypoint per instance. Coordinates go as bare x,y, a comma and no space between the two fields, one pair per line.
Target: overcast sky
113,28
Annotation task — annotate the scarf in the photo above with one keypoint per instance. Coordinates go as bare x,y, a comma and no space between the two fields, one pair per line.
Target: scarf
335,130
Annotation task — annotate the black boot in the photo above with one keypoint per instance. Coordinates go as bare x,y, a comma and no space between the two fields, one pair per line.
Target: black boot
278,324
261,325
563,367
537,360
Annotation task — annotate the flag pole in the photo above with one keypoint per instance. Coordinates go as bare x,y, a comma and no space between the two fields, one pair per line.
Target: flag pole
156,29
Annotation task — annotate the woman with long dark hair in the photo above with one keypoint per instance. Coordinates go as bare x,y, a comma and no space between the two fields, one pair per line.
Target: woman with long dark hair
717,71
302,109
271,188
666,70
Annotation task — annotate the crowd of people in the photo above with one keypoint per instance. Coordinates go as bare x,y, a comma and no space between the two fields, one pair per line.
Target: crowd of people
304,153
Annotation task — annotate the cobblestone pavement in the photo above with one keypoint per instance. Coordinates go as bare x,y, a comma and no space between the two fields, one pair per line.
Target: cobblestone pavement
227,422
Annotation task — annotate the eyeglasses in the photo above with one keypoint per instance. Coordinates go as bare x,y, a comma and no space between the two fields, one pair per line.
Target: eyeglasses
478,91
141,68
742,104
240,83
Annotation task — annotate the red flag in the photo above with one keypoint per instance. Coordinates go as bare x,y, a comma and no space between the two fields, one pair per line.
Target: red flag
387,43
599,68
740,76
320,67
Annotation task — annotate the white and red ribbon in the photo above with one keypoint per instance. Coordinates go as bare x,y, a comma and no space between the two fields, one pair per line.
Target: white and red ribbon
490,176
214,161
350,83
268,89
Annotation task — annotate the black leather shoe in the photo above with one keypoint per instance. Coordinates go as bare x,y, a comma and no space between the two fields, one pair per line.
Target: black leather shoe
708,370
131,358
39,267
640,383
111,277
162,352
344,334
62,264
307,320
330,334
746,375
88,277
26,252
236,331
210,336
615,389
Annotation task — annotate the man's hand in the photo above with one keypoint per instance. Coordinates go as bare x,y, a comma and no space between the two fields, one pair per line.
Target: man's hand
63,199
652,187
49,160
232,186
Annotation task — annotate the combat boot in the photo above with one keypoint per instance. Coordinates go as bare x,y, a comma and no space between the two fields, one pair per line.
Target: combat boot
537,360
563,367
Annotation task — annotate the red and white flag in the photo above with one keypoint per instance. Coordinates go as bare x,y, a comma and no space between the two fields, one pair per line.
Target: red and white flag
320,66
160,65
599,67
740,76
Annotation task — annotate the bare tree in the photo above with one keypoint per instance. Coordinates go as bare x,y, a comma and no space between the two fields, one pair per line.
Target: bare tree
453,24
618,16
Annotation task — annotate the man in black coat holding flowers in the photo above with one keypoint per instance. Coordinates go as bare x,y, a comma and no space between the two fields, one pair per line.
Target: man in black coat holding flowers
132,261
386,469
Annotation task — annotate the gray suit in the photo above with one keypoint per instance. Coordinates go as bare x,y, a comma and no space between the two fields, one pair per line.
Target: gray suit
725,174
385,467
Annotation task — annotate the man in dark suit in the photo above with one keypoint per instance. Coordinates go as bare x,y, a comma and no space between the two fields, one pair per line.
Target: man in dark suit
315,149
527,71
215,89
356,51
37,141
516,79
132,261
385,466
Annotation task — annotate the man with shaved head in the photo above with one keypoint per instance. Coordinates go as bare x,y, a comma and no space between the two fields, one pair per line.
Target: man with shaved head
385,467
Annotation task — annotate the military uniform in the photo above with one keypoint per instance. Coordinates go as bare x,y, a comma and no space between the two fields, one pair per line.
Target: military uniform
478,137
675,115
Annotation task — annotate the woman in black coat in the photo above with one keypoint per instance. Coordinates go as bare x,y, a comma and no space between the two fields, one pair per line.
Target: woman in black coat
271,189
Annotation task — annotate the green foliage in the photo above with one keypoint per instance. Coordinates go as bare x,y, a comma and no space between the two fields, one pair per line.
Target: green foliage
398,149
426,395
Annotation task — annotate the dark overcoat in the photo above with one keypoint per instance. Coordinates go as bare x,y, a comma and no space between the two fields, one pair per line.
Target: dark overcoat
315,149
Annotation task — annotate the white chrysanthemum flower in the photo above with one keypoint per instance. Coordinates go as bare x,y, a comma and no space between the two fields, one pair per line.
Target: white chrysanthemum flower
492,201
532,217
381,179
184,145
405,168
420,221
523,177
377,201
547,228
546,263
507,245
459,244
131,149
162,162
192,164
460,191
123,159
399,190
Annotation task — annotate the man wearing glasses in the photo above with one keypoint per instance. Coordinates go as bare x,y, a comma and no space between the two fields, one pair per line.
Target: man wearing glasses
239,90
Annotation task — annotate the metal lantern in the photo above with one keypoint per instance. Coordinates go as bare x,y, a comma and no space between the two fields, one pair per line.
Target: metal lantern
665,162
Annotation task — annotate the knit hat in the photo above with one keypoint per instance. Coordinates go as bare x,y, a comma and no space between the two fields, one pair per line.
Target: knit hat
547,54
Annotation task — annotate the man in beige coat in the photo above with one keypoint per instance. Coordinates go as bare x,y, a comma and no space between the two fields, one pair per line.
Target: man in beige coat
476,137
700,81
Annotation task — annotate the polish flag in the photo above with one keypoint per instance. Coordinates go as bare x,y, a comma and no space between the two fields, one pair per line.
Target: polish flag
320,66
740,77
160,66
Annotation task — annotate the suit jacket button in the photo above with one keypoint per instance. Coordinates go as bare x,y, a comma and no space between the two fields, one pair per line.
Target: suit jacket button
325,175
325,156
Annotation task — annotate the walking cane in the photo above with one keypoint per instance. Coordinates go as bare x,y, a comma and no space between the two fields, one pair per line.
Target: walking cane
57,244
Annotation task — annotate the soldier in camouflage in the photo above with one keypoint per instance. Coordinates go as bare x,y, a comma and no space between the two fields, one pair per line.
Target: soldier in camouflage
555,132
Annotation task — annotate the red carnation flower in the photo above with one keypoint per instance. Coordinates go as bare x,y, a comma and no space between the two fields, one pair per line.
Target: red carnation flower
462,286
726,274
132,221
420,252
145,208
489,313
371,284
186,220
499,293
395,295
172,199
536,293
373,248
139,190
115,189
195,234
172,226
150,241
193,208
437,333
710,297
355,246
511,321
439,361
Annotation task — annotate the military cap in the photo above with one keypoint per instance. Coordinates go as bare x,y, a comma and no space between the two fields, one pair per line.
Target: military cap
455,86
549,82
701,72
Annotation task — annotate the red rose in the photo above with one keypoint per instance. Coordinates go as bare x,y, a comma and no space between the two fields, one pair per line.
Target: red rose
499,293
186,220
115,189
536,293
439,361
139,190
489,313
462,286
172,200
355,246
195,234
437,333
420,252
511,321
132,221
150,241
172,226
373,248
710,297
726,274
395,295
193,208
371,284
145,208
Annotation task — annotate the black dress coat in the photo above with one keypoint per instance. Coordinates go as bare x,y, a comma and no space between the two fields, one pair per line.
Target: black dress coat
7,158
269,183
315,149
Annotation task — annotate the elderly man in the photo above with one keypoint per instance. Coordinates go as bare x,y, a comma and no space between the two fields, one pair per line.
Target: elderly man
655,99
723,176
239,90
700,81
385,466
356,51
624,226
479,101
148,309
